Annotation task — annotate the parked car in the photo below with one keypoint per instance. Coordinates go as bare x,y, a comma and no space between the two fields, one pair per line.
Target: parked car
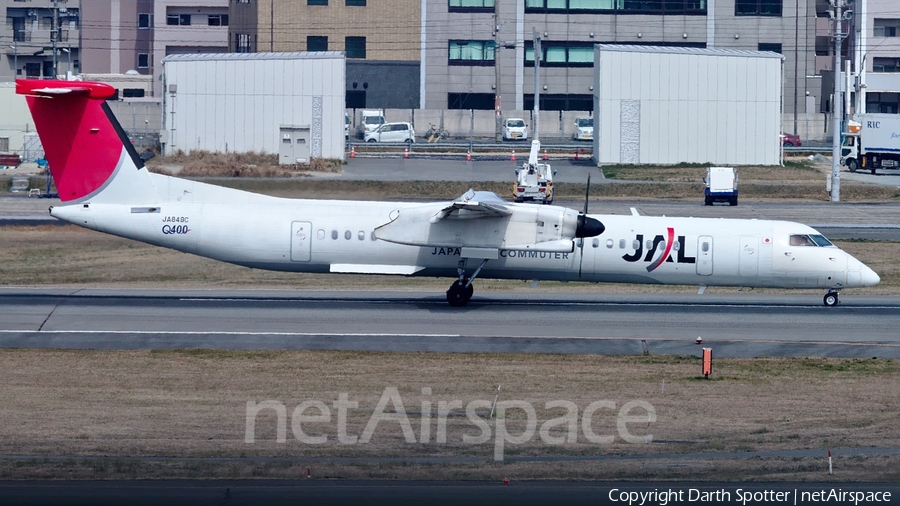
788,140
392,132
515,129
584,129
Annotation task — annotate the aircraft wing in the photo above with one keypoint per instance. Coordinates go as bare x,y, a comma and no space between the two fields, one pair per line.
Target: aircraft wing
484,222
474,205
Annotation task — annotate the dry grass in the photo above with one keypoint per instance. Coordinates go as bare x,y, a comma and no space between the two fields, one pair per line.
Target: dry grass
68,255
237,165
794,171
192,403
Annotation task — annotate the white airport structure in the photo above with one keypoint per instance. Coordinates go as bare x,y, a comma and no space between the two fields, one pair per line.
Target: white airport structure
667,105
287,103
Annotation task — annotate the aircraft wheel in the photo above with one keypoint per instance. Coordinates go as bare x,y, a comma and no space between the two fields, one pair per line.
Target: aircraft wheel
458,295
831,299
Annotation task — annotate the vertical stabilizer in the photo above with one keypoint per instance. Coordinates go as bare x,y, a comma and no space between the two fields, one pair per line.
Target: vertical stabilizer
84,144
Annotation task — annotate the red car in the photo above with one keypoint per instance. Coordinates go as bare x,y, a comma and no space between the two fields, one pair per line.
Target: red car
788,140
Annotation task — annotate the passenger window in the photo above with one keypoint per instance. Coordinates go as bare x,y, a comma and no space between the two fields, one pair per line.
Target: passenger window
621,243
348,234
676,246
636,245
649,244
334,234
362,235
705,247
595,242
320,234
609,243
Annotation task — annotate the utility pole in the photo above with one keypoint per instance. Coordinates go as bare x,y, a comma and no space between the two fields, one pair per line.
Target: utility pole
835,109
498,107
54,34
536,127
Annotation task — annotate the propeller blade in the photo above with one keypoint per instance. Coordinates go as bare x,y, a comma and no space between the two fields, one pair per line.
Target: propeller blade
587,194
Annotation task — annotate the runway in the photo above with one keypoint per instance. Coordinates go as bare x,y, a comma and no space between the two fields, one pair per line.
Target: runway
741,325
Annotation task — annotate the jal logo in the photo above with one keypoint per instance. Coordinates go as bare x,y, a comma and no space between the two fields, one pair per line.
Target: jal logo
659,250
175,229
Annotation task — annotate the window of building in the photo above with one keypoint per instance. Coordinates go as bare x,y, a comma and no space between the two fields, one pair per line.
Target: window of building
757,7
132,93
218,20
145,20
886,103
471,6
355,3
316,43
242,43
775,48
316,2
618,6
886,27
4,144
560,102
884,65
143,60
178,19
355,47
479,101
471,52
562,54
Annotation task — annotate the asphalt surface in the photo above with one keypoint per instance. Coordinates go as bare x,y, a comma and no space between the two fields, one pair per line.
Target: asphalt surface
743,325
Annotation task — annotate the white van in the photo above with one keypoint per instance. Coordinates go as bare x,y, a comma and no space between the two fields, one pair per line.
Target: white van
392,132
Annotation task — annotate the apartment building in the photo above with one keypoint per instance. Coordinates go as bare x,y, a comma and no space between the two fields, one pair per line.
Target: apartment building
40,38
381,41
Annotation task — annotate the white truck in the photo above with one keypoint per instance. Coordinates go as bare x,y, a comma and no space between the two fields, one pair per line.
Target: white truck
872,142
369,120
721,186
534,181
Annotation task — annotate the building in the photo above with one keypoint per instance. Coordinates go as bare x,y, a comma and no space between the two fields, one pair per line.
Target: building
121,35
460,44
255,103
719,106
381,41
40,38
874,48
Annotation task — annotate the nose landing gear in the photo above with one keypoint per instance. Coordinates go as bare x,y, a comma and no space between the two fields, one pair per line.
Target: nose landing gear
831,298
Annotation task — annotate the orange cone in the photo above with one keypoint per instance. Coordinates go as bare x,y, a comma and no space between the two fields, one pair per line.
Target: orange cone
468,155
406,153
576,155
546,157
352,151
513,157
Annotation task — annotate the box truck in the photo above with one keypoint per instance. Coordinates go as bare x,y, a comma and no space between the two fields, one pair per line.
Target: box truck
872,142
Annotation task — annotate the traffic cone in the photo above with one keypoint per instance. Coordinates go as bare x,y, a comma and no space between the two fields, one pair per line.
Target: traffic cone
546,157
352,151
406,153
513,157
468,155
576,155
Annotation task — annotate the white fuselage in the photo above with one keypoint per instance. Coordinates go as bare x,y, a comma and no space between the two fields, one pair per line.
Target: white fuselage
339,236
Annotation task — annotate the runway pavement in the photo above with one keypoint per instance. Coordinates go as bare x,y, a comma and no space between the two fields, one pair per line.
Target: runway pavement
743,325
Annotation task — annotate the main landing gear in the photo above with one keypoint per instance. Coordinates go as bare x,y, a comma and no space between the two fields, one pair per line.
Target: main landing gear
831,298
461,291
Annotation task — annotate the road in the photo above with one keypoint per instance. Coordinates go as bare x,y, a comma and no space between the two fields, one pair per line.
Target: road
743,325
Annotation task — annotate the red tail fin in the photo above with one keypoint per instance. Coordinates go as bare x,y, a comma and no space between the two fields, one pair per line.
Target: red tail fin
82,140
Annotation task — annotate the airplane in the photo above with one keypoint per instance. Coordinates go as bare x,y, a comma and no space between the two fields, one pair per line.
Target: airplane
104,185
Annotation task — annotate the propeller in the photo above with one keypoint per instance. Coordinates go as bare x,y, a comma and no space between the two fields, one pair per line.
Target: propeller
587,226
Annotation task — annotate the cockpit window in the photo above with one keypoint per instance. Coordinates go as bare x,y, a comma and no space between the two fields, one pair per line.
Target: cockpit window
810,240
821,240
801,240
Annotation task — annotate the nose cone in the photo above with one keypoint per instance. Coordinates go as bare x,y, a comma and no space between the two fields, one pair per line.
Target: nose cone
869,277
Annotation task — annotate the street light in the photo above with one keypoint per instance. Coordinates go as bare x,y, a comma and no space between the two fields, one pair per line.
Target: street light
68,63
15,48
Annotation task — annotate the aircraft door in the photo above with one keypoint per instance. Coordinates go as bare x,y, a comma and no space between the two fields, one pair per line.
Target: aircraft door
704,255
301,241
749,259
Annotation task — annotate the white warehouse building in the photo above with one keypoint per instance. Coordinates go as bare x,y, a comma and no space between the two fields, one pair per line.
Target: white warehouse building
287,103
667,105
